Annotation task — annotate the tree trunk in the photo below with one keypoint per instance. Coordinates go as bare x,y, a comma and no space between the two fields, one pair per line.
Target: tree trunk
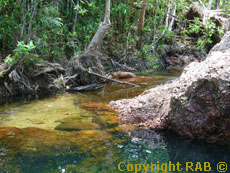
223,5
173,19
217,5
97,40
201,3
167,16
90,61
24,14
33,11
155,19
75,15
141,24
210,4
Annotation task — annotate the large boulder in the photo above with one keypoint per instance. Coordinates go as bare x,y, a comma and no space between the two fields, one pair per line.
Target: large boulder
176,56
195,105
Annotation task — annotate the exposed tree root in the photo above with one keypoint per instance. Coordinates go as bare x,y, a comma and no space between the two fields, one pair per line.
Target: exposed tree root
47,67
5,73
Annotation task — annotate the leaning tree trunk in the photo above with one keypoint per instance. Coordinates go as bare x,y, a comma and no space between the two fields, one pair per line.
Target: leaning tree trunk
97,40
90,61
141,24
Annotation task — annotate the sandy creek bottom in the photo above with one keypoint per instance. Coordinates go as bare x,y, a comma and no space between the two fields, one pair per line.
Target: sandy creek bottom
78,133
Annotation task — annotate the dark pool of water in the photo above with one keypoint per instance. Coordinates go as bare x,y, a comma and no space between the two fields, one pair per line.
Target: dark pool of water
99,150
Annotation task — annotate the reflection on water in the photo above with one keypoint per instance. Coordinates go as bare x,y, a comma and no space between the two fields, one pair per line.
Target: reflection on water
88,137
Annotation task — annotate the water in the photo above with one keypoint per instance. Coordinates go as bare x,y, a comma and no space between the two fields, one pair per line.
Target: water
78,133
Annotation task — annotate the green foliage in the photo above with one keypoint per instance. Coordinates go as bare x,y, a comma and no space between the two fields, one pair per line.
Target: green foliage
148,52
25,49
227,7
22,50
204,31
63,28
9,60
60,28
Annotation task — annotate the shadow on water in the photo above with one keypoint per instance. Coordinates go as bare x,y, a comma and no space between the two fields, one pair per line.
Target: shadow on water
182,150
88,137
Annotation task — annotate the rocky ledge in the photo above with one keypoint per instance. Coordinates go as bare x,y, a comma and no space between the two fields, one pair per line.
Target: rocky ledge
196,105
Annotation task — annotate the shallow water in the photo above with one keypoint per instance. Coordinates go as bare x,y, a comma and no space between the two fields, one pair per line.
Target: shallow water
78,133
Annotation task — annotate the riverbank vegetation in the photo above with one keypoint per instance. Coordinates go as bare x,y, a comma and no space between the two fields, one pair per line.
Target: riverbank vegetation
45,42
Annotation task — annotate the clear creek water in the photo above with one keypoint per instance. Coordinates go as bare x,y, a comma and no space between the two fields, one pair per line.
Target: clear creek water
78,133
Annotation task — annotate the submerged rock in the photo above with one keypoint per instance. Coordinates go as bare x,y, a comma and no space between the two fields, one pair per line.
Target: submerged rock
95,106
123,75
76,126
36,121
38,142
107,121
195,105
124,129
71,119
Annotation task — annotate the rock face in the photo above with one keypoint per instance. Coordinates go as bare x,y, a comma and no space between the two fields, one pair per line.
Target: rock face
175,55
196,105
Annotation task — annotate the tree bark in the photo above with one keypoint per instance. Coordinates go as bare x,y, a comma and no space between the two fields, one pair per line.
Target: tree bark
167,16
24,14
97,40
173,19
33,11
210,4
217,5
201,3
141,24
75,15
223,5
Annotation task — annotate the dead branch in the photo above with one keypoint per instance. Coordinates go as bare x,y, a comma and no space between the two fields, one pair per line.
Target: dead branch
90,87
122,66
11,68
48,67
113,80
7,87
